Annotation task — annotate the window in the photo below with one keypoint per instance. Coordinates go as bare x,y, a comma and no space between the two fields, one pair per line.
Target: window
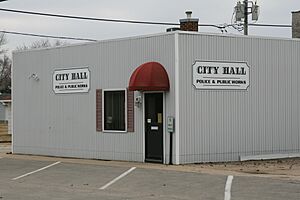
128,112
114,110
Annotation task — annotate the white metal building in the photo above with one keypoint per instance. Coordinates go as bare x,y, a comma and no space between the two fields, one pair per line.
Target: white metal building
230,96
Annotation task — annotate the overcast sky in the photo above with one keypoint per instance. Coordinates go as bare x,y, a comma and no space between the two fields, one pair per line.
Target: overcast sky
208,11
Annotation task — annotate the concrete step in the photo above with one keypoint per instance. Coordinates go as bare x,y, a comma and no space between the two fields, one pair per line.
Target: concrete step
3,128
5,147
5,138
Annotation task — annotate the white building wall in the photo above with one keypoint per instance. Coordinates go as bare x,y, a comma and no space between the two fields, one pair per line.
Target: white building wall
211,126
65,124
221,125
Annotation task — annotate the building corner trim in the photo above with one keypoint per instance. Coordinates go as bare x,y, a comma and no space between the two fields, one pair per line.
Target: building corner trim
177,98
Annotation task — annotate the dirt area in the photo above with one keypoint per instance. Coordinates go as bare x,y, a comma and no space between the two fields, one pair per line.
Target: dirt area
283,168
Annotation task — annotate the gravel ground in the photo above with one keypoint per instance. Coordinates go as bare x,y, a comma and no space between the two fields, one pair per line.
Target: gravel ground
284,168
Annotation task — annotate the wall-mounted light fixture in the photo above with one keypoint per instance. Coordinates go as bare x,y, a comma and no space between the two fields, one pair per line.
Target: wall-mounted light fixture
138,101
34,77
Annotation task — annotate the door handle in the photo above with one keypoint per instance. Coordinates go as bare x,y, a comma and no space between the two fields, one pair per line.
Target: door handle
154,128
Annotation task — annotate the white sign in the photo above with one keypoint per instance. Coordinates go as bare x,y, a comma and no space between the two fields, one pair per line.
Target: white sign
221,75
71,80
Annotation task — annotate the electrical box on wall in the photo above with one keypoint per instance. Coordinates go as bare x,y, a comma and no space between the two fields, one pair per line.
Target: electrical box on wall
170,124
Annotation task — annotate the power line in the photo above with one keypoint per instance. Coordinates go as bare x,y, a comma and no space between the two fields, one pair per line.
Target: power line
87,18
127,21
272,25
47,36
97,19
239,26
221,27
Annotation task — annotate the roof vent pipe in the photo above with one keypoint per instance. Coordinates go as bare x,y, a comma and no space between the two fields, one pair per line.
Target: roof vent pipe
188,14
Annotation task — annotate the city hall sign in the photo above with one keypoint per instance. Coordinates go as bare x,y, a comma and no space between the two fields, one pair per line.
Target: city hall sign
74,80
217,75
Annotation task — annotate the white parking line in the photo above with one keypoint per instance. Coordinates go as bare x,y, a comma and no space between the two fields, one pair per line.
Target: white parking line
228,188
35,171
117,178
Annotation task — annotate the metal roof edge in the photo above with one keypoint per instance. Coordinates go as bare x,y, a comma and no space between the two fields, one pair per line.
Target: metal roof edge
156,35
96,42
237,36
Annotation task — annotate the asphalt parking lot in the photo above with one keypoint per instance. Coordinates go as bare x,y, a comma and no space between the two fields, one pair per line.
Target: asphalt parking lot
57,179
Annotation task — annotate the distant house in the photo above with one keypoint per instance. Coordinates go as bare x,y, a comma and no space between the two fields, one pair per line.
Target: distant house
5,110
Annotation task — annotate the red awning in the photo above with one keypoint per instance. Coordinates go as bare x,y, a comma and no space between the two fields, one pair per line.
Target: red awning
150,76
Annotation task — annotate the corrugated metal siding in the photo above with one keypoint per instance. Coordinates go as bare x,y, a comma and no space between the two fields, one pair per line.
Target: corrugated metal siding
65,124
222,125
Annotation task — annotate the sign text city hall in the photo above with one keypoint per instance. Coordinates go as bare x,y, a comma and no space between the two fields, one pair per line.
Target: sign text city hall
221,75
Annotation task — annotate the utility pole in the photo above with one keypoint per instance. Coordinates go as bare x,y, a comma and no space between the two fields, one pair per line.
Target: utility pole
241,11
246,17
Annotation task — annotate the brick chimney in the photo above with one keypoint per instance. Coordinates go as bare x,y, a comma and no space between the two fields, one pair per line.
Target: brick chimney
296,24
189,23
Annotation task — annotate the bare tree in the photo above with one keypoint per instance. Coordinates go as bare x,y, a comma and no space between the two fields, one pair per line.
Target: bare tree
5,75
3,41
42,44
5,61
5,68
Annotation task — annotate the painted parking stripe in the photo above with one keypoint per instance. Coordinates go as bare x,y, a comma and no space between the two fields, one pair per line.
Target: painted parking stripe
117,178
36,171
228,188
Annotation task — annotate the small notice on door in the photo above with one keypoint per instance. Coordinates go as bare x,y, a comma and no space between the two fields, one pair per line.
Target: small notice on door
159,118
